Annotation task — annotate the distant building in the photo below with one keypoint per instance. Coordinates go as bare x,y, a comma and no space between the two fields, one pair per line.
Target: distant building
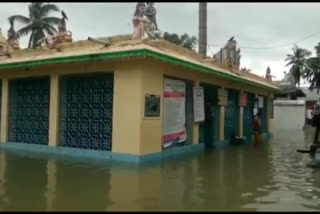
289,90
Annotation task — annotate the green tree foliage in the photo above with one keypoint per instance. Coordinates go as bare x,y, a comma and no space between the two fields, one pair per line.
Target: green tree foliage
38,24
297,61
312,70
312,73
184,40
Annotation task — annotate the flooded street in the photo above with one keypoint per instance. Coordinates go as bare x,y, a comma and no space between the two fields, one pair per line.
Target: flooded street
273,177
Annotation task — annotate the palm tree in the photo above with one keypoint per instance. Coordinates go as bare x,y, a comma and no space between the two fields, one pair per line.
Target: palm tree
297,60
38,23
312,70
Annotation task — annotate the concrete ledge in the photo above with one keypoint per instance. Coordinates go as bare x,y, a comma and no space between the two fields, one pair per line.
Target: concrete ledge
93,155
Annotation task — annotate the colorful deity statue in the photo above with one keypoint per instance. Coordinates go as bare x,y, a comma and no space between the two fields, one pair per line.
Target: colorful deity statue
138,21
3,45
151,26
63,34
13,37
229,55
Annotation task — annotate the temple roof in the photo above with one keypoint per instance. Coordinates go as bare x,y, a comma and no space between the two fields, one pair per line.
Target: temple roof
123,47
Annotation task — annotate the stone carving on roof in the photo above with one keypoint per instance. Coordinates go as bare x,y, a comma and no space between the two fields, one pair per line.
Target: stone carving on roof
268,74
145,22
13,37
4,47
63,34
229,55
151,26
138,21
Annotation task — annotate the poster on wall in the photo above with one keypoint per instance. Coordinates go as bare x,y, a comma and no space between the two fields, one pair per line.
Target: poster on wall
255,108
260,102
243,100
174,112
223,97
198,104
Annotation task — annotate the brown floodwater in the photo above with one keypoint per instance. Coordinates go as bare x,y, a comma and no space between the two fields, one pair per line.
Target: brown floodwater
272,177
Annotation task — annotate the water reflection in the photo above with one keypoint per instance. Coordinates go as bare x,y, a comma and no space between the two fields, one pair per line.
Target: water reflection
272,177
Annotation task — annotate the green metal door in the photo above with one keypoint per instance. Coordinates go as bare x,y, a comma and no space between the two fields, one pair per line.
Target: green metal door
29,110
86,111
248,117
209,129
231,128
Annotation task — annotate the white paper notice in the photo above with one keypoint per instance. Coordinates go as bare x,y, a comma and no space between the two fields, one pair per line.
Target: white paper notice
198,102
174,112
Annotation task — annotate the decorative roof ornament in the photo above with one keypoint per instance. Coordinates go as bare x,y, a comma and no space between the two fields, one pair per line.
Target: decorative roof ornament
151,26
268,74
63,34
13,37
145,22
229,55
138,21
4,49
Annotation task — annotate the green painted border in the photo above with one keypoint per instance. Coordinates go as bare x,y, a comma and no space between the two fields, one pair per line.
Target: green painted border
129,54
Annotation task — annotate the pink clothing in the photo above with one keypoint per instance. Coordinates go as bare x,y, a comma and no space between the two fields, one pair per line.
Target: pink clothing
138,28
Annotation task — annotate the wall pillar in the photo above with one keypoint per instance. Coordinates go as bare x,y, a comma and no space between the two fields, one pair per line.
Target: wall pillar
128,110
54,110
270,120
221,122
4,110
241,122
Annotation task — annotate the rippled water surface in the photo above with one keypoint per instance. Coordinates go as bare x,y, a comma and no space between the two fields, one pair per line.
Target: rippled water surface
273,177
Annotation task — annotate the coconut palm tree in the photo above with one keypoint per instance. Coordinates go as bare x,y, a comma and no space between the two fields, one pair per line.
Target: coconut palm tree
312,70
297,60
38,24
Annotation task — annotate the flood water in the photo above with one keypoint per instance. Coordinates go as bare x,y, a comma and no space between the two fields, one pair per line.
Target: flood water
273,177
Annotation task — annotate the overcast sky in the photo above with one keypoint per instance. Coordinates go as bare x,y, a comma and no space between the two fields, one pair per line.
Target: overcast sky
254,25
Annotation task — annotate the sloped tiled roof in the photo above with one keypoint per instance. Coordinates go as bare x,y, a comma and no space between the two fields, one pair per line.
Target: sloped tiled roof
123,46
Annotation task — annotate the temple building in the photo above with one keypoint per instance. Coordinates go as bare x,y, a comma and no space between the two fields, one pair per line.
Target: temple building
123,98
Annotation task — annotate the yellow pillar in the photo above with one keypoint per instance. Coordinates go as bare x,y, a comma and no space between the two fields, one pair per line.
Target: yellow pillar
241,122
4,110
54,110
270,120
127,109
221,136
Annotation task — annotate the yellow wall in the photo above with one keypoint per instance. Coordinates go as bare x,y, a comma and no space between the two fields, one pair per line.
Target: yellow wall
152,83
132,132
127,108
